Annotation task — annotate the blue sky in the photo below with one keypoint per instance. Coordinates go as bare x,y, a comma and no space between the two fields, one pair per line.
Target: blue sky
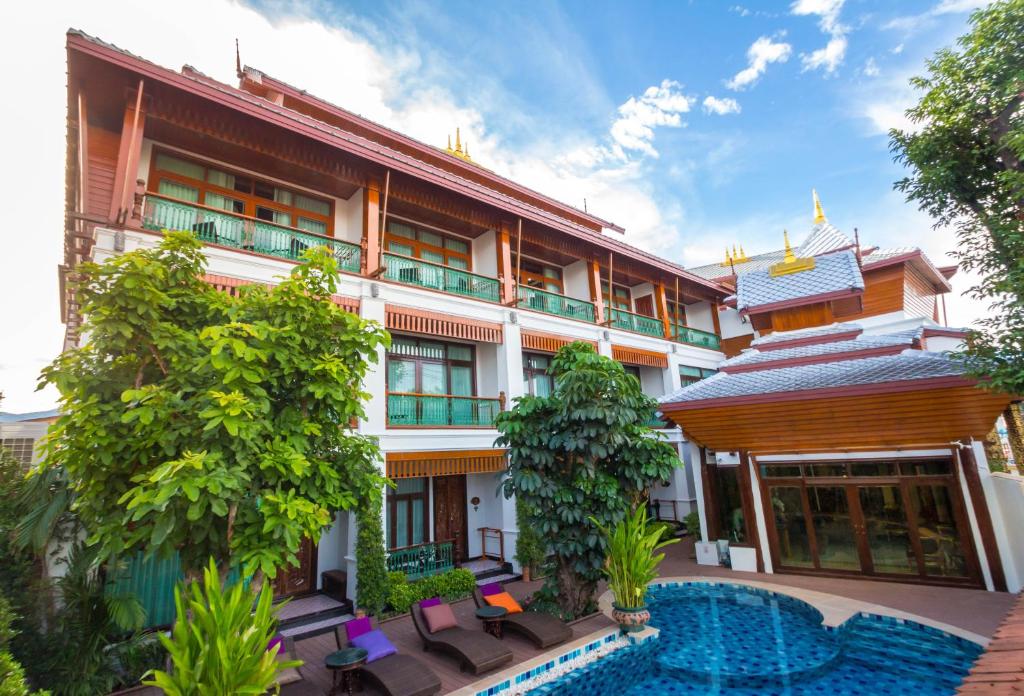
608,102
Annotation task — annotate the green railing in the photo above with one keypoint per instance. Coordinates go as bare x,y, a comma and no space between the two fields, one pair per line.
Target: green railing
553,303
241,232
621,319
655,422
442,409
423,559
695,337
437,277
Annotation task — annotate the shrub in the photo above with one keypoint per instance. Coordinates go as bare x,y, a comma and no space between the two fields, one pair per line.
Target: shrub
692,522
451,585
372,591
401,594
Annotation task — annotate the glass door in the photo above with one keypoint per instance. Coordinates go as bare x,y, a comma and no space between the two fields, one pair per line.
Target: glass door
833,519
887,530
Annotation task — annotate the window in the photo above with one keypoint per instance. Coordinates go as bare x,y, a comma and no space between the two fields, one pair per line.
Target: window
535,274
633,370
422,366
690,375
536,380
407,513
621,296
21,449
729,504
407,239
193,182
676,313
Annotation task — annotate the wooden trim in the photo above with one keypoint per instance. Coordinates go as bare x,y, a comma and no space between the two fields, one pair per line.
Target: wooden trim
444,463
639,356
436,324
128,153
749,510
984,518
661,309
371,243
715,319
594,280
503,242
548,343
230,286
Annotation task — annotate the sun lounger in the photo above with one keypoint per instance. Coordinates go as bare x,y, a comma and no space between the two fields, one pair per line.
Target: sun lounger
396,675
543,630
476,651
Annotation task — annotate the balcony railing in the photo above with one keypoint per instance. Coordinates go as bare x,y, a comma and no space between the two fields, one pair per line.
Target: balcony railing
621,319
656,422
406,408
553,303
243,232
695,337
437,277
423,559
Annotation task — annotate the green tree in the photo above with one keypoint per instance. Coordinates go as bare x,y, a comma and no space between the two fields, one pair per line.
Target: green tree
582,454
209,424
965,153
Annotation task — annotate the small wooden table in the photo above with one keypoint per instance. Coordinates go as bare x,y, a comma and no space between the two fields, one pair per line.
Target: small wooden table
347,662
492,617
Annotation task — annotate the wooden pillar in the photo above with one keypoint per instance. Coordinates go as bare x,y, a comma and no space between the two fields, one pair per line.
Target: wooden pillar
982,515
749,511
715,319
129,152
372,234
661,309
1015,434
594,276
506,276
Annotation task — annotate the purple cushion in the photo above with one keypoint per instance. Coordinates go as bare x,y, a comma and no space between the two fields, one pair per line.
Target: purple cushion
491,588
274,642
357,627
432,602
376,645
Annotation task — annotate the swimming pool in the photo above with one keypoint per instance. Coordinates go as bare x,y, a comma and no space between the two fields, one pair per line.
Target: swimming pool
739,641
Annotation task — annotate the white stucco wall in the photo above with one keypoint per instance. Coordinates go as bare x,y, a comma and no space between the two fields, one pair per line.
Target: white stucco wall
485,254
1006,506
733,324
698,316
575,281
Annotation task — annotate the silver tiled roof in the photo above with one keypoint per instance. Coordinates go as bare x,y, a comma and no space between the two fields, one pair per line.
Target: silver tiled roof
882,254
908,365
801,334
755,263
862,342
831,273
824,238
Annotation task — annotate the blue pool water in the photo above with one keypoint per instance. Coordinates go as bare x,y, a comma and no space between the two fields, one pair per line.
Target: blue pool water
737,641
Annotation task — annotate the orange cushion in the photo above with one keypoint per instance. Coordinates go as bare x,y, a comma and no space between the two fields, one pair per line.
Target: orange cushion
504,599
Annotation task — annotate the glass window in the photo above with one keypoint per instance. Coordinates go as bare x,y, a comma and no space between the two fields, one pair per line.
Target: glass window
940,534
833,528
536,380
690,375
825,470
407,513
939,467
432,256
791,526
888,534
403,249
275,216
401,230
431,238
456,262
430,367
785,471
168,163
873,469
457,352
456,245
219,178
313,205
312,225
173,189
215,200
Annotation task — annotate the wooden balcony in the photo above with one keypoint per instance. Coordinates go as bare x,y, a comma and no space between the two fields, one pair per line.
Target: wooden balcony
637,323
406,409
434,276
695,337
554,303
242,232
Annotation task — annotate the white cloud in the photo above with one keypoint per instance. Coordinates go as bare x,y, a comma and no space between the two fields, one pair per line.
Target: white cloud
871,68
830,57
883,103
727,105
913,23
897,49
659,105
761,53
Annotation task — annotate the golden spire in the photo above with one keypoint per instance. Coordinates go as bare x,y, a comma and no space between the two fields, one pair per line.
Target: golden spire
459,152
728,257
458,141
743,255
819,213
790,262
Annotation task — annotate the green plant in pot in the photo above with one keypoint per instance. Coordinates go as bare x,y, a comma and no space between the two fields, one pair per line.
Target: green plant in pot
632,563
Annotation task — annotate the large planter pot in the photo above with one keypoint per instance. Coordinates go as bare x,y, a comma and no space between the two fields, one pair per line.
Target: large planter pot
631,619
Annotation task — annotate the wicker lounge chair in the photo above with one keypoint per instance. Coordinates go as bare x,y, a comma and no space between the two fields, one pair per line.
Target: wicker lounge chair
291,675
396,675
476,651
543,630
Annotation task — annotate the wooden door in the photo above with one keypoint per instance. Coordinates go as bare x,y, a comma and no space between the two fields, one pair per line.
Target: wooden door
300,579
645,305
450,512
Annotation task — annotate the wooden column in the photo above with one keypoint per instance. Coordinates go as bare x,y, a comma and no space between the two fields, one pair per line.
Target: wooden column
749,510
372,234
594,276
506,276
984,518
661,308
129,152
715,320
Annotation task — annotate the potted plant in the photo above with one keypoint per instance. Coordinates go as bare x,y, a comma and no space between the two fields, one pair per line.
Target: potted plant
631,564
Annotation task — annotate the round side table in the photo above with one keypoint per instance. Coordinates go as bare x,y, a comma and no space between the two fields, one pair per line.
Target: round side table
492,617
346,662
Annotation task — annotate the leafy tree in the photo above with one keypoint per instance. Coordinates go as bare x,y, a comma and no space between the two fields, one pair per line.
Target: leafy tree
965,153
209,424
580,455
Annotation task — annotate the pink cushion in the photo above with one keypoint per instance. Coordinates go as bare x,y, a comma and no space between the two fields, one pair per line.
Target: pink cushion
439,618
491,588
431,602
357,627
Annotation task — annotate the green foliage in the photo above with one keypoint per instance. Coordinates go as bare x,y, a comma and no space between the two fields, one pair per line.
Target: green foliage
208,424
966,154
371,561
692,522
451,585
12,678
666,529
632,561
583,453
218,645
529,545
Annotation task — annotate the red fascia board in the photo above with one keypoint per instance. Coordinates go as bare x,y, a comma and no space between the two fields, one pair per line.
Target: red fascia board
361,147
385,132
812,394
811,340
944,332
800,302
874,352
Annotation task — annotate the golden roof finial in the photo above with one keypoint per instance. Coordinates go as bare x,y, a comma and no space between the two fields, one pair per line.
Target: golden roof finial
449,142
728,257
790,262
743,254
819,213
459,152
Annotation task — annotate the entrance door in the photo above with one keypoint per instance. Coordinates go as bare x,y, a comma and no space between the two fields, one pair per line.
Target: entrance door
645,305
887,519
300,579
450,512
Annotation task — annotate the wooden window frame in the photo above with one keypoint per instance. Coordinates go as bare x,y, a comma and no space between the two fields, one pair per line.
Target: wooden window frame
529,372
676,312
249,200
418,246
687,380
527,276
627,306
446,361
392,509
